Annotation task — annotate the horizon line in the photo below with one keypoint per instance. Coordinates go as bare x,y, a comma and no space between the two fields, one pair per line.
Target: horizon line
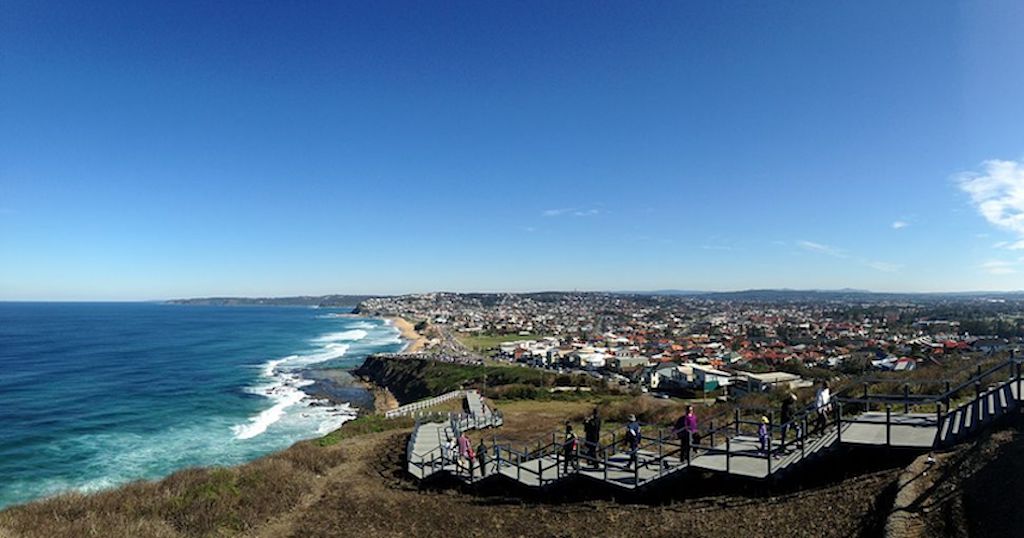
665,291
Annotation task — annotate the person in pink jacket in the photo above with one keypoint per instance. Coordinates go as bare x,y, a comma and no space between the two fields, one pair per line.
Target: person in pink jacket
466,455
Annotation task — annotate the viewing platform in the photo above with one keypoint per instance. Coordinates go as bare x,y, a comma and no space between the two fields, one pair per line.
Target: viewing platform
730,448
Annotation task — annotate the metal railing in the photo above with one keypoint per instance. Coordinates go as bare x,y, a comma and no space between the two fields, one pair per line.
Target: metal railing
781,445
423,404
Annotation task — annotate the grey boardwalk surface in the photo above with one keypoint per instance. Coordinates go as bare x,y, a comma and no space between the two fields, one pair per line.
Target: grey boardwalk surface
737,454
905,430
428,451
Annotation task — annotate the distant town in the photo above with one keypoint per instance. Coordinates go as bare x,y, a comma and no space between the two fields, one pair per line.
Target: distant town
711,344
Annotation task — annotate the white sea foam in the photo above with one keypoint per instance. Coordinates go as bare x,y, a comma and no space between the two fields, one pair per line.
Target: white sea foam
351,335
284,388
271,366
284,396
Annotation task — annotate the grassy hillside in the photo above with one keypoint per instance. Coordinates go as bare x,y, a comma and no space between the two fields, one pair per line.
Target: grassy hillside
414,379
352,482
355,485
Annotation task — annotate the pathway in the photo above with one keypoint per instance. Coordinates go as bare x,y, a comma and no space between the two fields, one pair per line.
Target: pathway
728,449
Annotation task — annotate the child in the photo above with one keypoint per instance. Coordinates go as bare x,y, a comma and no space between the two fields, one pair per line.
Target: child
762,435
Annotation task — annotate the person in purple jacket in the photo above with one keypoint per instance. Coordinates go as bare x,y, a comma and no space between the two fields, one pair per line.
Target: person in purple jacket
686,430
763,436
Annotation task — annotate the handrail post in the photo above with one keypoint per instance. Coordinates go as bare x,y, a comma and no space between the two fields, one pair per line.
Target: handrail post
711,424
737,419
1017,364
604,455
977,403
661,451
938,419
888,425
839,422
803,435
865,390
727,453
906,398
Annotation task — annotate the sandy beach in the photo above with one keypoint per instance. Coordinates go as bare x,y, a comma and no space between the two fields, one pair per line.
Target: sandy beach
416,340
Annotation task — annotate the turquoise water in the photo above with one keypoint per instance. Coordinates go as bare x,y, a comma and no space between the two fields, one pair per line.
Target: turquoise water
97,394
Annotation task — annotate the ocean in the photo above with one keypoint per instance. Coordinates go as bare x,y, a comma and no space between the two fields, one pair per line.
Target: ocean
93,395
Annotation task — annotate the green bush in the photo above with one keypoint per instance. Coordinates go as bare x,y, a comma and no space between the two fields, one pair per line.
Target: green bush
364,425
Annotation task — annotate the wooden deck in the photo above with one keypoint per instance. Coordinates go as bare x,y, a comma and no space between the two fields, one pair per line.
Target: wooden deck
736,454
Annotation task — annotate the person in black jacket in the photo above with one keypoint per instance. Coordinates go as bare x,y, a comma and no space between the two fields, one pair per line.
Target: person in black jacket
570,446
592,435
481,457
788,412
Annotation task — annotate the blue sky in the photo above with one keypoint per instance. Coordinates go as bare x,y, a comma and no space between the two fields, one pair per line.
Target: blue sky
186,149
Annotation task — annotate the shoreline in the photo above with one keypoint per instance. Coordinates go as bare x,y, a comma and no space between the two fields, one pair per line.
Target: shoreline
415,341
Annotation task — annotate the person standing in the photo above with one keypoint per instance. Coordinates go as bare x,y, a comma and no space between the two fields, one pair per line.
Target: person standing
466,452
633,439
691,429
592,435
481,457
822,404
570,446
685,429
788,405
451,451
763,436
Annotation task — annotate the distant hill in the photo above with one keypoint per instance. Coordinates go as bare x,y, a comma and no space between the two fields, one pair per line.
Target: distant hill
303,300
844,295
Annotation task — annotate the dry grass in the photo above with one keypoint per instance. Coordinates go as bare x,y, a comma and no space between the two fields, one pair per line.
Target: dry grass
193,502
363,491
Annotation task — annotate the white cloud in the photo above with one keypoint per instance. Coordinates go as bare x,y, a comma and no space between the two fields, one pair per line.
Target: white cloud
997,193
821,249
575,212
900,224
999,267
885,267
834,252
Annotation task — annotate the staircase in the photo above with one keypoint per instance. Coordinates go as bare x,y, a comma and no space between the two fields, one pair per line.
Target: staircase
427,452
731,449
974,415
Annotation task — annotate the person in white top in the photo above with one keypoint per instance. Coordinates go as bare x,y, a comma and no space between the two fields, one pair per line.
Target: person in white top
823,405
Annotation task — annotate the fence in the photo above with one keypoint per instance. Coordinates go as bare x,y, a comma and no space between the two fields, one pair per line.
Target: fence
729,444
423,404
